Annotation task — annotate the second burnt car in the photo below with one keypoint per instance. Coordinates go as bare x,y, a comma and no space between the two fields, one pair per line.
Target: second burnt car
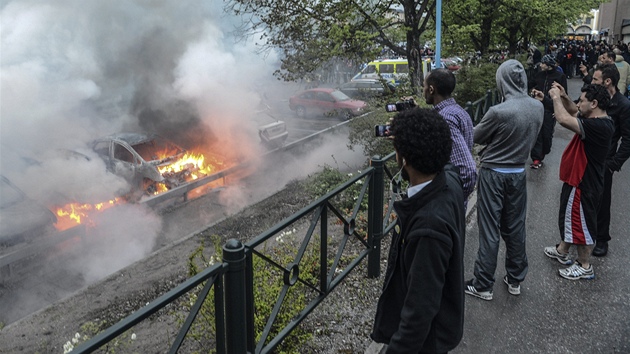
149,163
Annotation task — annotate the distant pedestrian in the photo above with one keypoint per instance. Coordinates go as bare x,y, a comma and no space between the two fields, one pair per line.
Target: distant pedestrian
509,131
540,90
624,72
421,309
582,171
438,87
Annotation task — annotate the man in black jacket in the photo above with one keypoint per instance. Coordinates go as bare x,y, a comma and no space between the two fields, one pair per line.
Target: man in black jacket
421,309
547,75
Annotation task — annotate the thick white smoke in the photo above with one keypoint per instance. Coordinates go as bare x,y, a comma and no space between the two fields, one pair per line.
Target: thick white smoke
72,71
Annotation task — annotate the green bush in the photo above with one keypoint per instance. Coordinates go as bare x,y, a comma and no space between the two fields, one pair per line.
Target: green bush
268,283
473,81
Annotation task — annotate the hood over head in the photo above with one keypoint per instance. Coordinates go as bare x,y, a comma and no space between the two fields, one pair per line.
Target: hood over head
511,79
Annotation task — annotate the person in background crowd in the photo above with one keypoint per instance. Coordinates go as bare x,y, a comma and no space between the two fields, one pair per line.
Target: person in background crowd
619,111
540,89
438,87
508,131
624,72
421,308
582,171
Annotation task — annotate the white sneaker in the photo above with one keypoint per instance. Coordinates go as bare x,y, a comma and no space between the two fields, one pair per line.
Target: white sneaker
514,289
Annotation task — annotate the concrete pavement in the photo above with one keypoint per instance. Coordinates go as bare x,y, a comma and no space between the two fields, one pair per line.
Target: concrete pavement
552,314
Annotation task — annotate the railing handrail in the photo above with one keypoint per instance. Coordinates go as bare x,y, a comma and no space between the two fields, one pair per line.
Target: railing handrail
478,108
229,305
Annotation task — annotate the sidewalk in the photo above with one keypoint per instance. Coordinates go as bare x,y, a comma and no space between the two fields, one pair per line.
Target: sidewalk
552,314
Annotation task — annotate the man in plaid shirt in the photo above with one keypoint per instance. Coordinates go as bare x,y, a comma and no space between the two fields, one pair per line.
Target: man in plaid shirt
438,87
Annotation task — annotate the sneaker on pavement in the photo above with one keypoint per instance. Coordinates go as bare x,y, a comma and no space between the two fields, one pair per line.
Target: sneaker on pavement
536,164
514,289
552,252
470,289
576,271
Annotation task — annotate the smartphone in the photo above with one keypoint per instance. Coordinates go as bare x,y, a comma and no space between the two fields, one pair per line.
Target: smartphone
382,131
390,107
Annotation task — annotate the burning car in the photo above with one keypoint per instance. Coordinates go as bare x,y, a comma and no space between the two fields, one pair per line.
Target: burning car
150,163
21,219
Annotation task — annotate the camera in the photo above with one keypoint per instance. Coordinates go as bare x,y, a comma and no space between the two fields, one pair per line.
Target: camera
382,131
400,105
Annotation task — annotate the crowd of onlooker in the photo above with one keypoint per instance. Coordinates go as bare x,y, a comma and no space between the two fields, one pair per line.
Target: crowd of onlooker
570,54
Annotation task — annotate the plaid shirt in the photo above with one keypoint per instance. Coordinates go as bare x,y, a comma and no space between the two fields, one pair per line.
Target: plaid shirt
462,133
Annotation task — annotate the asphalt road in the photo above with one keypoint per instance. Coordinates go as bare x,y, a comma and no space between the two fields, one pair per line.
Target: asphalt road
552,314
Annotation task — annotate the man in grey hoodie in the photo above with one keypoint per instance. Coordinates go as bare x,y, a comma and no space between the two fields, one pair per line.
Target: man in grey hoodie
509,131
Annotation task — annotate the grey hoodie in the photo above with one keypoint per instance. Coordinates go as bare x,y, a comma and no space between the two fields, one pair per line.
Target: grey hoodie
509,129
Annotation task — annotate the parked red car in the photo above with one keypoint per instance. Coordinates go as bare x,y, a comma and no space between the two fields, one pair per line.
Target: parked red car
326,101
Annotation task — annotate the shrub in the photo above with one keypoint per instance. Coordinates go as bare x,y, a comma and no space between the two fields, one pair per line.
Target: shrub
473,81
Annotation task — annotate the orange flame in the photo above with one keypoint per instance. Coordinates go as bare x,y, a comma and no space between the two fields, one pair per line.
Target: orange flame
73,214
196,160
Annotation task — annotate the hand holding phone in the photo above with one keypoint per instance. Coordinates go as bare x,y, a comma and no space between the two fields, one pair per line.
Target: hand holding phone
382,131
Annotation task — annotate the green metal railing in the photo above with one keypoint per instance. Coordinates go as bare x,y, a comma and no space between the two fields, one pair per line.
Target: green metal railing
477,109
233,279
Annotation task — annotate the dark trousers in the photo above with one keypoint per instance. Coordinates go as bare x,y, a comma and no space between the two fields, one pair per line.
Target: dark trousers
603,214
543,142
501,212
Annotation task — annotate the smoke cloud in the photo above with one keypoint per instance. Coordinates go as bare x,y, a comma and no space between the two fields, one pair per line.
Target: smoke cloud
72,71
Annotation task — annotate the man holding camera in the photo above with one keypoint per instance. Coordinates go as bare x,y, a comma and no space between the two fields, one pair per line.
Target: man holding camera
582,173
421,308
438,87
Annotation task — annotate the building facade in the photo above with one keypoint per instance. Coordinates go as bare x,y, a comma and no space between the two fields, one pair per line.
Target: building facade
614,21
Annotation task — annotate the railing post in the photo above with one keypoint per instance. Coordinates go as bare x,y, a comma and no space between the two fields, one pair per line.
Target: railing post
470,110
375,217
488,103
235,304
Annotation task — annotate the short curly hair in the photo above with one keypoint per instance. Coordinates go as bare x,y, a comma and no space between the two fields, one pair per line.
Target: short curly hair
599,93
423,138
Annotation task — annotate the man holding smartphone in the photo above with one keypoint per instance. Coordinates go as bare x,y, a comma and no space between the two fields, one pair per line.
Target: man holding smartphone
438,87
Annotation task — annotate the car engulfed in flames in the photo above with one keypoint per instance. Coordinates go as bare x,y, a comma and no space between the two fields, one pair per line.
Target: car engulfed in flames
150,163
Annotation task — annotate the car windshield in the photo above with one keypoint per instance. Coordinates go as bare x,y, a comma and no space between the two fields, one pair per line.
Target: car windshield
340,96
157,149
8,194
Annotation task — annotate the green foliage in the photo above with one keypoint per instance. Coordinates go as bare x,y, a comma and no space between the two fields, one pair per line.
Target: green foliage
487,24
268,283
473,81
330,178
312,33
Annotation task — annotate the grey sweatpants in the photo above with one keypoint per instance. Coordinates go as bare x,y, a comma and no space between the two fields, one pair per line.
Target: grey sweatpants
501,212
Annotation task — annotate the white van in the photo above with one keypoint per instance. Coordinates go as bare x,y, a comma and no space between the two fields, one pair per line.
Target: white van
390,69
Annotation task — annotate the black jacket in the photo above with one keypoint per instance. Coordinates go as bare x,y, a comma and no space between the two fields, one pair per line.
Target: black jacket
422,304
542,82
619,111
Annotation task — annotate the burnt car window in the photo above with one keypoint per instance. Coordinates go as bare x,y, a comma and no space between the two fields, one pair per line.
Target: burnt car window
102,148
121,153
156,149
